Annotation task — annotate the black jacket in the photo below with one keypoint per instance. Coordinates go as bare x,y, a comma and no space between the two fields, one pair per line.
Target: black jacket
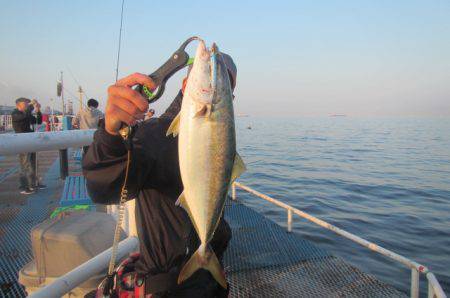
22,121
167,237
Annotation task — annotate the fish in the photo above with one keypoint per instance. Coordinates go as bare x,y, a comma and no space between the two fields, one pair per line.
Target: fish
208,160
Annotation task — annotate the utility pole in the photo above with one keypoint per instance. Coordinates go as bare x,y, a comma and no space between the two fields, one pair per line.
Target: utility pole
52,122
80,91
61,93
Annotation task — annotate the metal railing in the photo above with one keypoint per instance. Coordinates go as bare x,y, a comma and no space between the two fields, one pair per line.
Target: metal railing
11,144
96,265
85,271
5,122
434,288
15,143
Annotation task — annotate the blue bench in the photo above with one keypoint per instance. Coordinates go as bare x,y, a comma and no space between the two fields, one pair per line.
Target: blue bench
78,155
75,192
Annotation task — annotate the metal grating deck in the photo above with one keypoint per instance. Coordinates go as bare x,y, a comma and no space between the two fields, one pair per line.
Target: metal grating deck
263,260
15,244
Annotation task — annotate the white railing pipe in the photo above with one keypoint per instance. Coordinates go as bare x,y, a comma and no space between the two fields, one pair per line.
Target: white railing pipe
434,288
415,280
85,271
324,224
289,220
233,192
12,143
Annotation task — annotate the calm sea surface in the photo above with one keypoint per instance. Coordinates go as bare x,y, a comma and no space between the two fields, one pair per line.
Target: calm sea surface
386,180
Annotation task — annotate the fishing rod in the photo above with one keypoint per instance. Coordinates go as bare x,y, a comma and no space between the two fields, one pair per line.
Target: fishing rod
108,282
176,62
120,41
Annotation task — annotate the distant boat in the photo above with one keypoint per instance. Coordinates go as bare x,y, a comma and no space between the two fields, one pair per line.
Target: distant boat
249,127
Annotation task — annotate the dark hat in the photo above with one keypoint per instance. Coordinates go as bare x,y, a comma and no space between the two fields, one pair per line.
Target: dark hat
92,103
23,99
229,64
232,69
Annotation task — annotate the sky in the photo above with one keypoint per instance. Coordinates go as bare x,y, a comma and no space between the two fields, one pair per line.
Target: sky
294,58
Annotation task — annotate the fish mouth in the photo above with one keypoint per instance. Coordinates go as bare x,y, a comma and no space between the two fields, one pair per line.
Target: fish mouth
207,60
202,51
210,56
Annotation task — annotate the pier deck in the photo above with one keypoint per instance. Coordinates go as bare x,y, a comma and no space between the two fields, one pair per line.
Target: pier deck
262,260
20,213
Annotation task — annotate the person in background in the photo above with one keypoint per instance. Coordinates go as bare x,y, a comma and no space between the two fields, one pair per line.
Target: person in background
46,118
88,118
149,114
55,123
22,120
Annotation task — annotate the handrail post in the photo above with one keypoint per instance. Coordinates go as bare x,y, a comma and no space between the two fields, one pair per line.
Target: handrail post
289,220
63,164
233,191
430,290
434,288
414,283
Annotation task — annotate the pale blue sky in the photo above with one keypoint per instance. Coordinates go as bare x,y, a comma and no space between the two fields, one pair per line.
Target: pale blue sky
295,58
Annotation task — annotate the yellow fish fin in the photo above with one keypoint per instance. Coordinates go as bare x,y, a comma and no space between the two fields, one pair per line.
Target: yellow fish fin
204,258
174,127
238,167
181,201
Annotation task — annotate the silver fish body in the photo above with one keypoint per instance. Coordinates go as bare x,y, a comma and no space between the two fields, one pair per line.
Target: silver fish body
207,153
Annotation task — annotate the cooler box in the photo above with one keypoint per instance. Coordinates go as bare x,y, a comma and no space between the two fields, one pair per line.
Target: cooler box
61,244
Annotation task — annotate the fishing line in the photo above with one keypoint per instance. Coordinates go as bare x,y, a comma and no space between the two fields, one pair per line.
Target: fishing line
124,192
75,96
68,91
76,81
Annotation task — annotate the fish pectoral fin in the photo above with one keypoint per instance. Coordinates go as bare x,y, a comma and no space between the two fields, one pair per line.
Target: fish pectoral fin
174,127
204,110
181,201
238,167
204,258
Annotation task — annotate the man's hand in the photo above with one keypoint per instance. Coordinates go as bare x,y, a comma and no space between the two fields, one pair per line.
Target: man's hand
126,105
36,105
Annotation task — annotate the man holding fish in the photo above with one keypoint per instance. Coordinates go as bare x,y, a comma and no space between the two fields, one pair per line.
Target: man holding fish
181,167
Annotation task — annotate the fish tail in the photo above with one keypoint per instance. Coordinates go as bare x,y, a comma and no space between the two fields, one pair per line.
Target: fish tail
204,258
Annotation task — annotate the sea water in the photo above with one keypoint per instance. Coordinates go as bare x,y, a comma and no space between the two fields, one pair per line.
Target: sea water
386,180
